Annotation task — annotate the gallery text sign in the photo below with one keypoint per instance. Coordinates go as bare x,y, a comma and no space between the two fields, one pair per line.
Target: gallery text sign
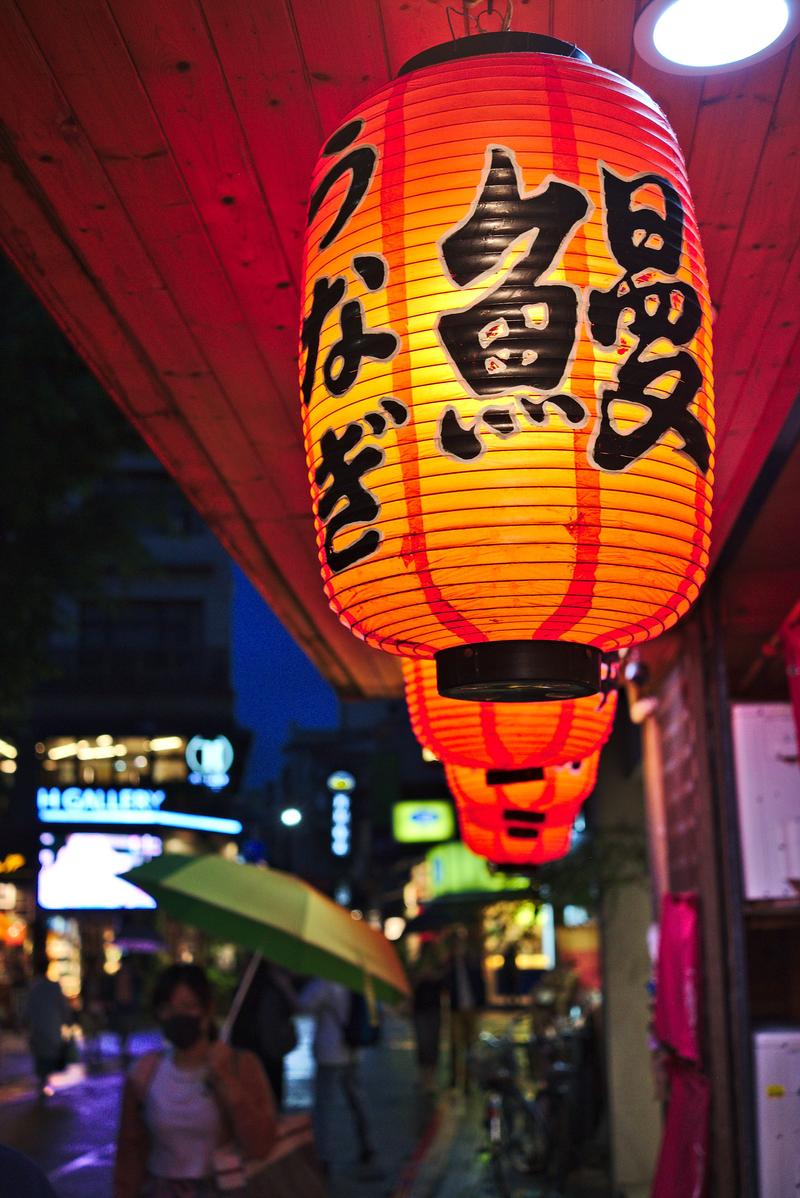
126,805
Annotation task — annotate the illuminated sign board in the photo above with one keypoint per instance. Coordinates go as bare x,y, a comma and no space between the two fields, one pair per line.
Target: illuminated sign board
125,805
81,871
453,869
12,862
341,820
209,759
341,781
341,785
417,820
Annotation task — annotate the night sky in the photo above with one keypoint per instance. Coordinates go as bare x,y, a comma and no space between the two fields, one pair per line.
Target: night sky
275,683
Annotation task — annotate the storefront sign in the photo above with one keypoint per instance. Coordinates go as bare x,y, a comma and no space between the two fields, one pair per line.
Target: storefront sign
127,805
209,759
12,863
418,820
453,869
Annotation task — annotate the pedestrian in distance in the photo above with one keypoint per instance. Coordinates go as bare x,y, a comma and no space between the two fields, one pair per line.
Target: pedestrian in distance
125,1005
264,1024
46,1012
426,1008
467,990
192,1115
337,1069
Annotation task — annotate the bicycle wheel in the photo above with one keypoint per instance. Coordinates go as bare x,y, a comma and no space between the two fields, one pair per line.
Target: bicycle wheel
528,1139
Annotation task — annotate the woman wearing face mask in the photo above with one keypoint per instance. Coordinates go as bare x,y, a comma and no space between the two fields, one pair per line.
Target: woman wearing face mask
192,1113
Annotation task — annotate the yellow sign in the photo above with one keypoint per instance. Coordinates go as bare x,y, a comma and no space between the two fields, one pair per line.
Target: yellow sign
776,1091
12,862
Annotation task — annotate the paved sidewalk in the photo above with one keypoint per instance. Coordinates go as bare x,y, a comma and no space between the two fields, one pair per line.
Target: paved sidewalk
426,1147
72,1135
456,1164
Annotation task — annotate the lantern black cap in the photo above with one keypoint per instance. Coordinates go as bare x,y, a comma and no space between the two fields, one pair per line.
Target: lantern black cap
492,43
518,671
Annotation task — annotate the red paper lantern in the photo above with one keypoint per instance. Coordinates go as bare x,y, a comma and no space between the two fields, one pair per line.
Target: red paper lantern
506,369
510,736
552,842
520,816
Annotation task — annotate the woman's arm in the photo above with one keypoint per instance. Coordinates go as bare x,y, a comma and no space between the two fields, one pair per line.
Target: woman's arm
246,1099
130,1168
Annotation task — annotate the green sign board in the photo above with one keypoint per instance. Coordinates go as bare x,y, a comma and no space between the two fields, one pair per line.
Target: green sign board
453,869
415,821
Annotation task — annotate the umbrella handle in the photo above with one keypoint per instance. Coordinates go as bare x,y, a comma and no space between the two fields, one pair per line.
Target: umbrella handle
239,997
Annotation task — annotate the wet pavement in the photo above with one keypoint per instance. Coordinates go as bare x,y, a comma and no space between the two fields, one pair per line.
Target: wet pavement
71,1135
427,1148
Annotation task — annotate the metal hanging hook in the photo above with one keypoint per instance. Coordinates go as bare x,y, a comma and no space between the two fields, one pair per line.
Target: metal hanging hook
479,16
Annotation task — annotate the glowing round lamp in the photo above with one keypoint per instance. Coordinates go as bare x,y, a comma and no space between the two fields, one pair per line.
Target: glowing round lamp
693,37
509,736
505,364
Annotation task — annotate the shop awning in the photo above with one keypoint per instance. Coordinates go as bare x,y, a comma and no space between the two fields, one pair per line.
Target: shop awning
154,173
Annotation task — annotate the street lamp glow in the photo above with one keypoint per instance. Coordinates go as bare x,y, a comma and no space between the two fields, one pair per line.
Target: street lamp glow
291,817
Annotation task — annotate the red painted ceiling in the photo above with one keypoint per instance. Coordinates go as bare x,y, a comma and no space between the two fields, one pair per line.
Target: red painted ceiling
154,166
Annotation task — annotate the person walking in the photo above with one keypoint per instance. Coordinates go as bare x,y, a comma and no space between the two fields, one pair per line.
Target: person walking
125,1005
193,1114
426,1008
45,1013
264,1024
337,1069
467,990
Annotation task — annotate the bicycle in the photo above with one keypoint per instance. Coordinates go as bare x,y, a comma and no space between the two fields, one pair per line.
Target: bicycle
527,1137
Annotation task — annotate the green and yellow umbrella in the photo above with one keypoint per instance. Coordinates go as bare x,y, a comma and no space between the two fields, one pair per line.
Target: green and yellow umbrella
275,914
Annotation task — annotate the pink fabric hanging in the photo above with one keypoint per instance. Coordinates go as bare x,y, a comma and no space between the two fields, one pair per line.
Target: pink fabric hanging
682,1170
791,651
678,976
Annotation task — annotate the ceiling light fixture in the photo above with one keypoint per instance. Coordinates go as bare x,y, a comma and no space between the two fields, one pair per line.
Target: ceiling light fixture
699,37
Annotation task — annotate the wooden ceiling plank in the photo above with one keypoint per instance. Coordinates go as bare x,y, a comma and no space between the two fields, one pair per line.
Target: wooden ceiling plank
44,226
412,26
678,95
59,162
760,388
345,58
128,379
178,66
104,93
748,446
760,270
723,166
603,31
384,668
271,90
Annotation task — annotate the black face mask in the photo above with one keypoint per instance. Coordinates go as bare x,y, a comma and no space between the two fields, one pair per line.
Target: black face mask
182,1030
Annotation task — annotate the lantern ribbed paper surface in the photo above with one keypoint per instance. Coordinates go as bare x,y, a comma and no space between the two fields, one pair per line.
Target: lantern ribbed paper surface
520,816
506,362
510,736
552,843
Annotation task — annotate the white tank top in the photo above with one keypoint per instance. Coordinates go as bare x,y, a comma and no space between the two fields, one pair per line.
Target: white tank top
184,1122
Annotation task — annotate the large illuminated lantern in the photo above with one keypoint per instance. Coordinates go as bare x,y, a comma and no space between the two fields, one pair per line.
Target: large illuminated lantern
510,736
506,369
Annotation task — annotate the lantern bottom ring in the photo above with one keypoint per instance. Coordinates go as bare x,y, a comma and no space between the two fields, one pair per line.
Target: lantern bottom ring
518,671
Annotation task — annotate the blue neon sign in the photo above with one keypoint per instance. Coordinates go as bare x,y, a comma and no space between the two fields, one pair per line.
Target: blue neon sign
125,805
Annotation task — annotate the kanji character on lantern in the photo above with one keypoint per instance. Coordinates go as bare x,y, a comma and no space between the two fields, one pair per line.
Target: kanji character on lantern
646,243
